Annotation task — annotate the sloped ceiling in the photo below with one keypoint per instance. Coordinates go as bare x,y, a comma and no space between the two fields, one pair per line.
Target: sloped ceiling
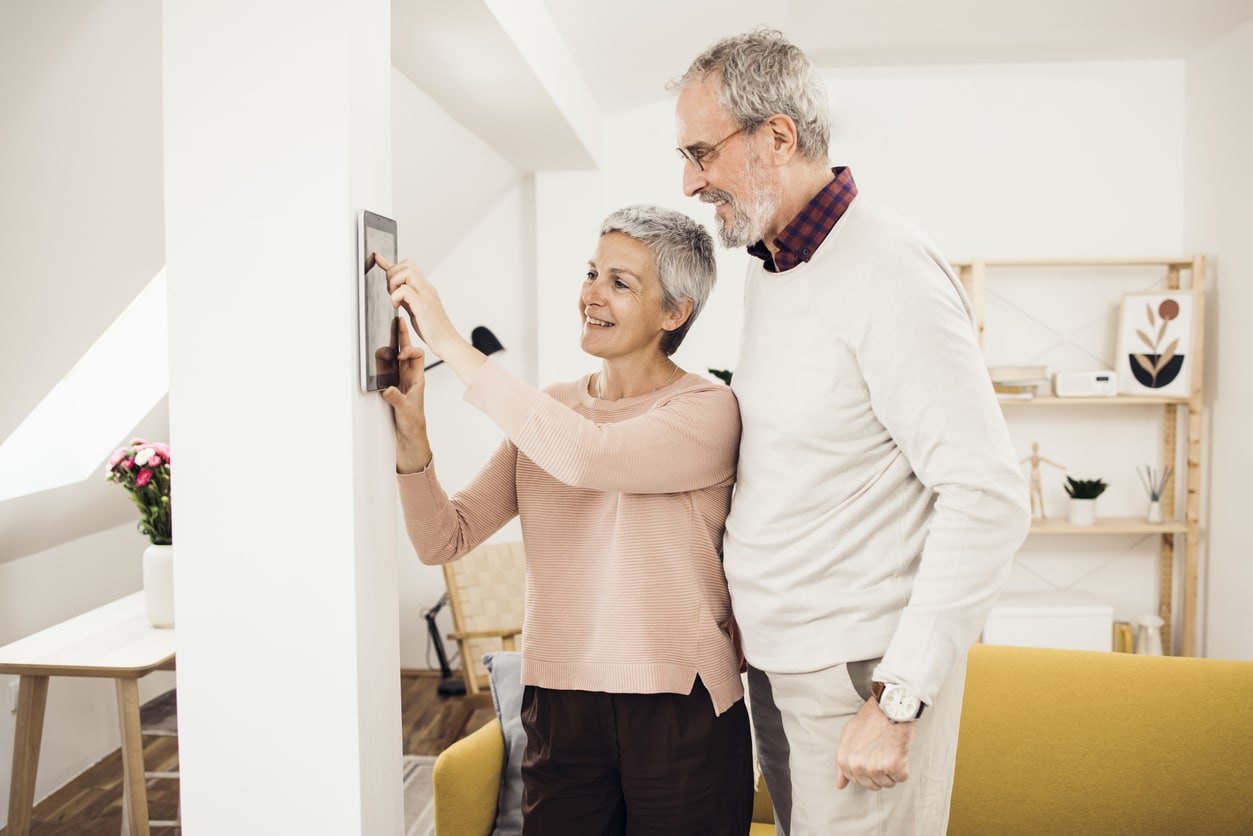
501,70
628,51
484,61
80,221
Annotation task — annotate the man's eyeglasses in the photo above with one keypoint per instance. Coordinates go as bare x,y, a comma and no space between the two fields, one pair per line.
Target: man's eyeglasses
698,156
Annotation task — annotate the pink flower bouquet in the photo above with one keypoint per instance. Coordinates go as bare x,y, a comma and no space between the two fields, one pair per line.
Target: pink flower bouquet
143,468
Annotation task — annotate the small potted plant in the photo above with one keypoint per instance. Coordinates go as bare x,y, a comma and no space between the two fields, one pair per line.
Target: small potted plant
1083,494
143,469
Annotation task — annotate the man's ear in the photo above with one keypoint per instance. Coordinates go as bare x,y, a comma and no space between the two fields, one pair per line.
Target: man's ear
675,318
782,137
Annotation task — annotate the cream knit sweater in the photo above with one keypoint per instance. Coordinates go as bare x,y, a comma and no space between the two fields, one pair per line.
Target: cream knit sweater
879,501
622,505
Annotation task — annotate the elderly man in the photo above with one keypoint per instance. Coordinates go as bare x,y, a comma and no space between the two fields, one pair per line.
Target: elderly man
878,500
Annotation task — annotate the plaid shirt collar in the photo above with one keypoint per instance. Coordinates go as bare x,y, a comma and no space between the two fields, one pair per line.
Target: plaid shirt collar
800,238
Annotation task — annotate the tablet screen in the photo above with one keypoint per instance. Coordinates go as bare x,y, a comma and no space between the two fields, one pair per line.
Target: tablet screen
379,320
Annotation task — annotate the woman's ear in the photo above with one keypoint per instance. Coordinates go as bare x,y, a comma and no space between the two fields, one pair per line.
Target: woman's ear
677,316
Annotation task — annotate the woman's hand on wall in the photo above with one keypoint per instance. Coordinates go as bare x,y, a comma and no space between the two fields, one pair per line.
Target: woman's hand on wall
408,402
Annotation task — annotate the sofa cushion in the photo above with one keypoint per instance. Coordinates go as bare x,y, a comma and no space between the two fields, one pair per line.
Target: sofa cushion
1072,741
505,668
466,782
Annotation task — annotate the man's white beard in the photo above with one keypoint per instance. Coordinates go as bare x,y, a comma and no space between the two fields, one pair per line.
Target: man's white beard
748,219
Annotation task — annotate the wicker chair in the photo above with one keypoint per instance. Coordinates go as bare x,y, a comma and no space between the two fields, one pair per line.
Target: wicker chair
486,593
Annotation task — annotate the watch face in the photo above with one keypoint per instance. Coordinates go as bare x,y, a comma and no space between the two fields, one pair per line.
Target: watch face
899,705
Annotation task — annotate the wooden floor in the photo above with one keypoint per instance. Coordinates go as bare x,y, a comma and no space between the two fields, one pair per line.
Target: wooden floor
91,804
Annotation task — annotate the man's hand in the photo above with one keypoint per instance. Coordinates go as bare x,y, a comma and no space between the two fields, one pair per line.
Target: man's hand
874,751
733,630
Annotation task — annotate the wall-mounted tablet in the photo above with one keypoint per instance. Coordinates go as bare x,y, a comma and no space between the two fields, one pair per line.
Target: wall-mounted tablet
379,321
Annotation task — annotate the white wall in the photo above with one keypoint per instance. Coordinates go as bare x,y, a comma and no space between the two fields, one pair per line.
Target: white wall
1042,161
434,202
490,286
285,561
1065,160
1219,174
472,237
1056,160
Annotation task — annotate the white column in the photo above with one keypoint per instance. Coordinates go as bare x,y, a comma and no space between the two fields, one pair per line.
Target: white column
277,132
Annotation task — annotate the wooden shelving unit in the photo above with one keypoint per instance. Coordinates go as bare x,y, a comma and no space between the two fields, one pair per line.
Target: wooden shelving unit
1118,400
974,274
1109,525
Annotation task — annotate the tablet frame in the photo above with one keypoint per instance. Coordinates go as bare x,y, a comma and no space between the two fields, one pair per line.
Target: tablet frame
378,320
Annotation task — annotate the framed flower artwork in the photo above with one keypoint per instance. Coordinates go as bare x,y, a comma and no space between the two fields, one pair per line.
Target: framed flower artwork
1154,343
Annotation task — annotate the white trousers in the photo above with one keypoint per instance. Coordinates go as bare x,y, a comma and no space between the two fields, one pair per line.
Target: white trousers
797,721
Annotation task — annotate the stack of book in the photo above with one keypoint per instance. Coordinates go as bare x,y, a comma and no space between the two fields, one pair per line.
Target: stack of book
1018,382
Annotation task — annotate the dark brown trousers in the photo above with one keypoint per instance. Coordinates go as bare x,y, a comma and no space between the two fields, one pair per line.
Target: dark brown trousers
600,764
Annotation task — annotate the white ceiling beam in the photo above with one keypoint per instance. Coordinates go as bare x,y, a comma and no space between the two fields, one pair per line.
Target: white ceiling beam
502,71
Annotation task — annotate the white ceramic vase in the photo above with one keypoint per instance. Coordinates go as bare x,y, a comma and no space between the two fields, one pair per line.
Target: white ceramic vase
159,585
1149,636
1155,511
1082,511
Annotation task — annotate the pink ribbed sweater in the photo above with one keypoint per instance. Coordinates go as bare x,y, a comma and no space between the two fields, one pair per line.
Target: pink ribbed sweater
622,506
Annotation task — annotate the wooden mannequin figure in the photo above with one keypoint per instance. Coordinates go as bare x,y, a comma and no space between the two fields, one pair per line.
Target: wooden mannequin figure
1037,495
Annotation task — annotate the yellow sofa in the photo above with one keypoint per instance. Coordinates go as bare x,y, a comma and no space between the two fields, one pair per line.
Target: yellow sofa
1076,742
467,779
1051,742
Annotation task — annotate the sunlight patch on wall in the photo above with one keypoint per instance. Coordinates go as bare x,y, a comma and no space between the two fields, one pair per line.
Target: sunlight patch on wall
68,437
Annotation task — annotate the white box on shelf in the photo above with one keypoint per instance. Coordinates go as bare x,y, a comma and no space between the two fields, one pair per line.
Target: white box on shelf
1102,383
1059,619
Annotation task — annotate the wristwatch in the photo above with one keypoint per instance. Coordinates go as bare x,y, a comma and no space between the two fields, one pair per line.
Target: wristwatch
897,702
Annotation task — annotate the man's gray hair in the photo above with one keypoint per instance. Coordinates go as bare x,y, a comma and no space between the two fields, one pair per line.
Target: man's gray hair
684,252
762,74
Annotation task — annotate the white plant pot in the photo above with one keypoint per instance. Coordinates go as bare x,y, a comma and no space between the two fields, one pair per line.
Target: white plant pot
1082,511
159,585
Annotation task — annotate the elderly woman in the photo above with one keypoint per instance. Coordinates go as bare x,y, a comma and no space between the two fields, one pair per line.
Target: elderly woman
632,706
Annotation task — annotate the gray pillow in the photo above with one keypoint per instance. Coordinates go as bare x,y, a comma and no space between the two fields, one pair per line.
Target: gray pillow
505,668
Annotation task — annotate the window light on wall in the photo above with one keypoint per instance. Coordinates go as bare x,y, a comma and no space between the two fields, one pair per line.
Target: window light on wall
68,437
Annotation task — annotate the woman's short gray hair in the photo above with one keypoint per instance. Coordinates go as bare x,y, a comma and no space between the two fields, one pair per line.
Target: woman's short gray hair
762,74
684,252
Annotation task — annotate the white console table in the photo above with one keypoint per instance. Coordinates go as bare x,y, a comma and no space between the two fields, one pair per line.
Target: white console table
114,641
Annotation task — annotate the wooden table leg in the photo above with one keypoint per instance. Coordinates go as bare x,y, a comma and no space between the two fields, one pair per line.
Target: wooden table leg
134,795
32,699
